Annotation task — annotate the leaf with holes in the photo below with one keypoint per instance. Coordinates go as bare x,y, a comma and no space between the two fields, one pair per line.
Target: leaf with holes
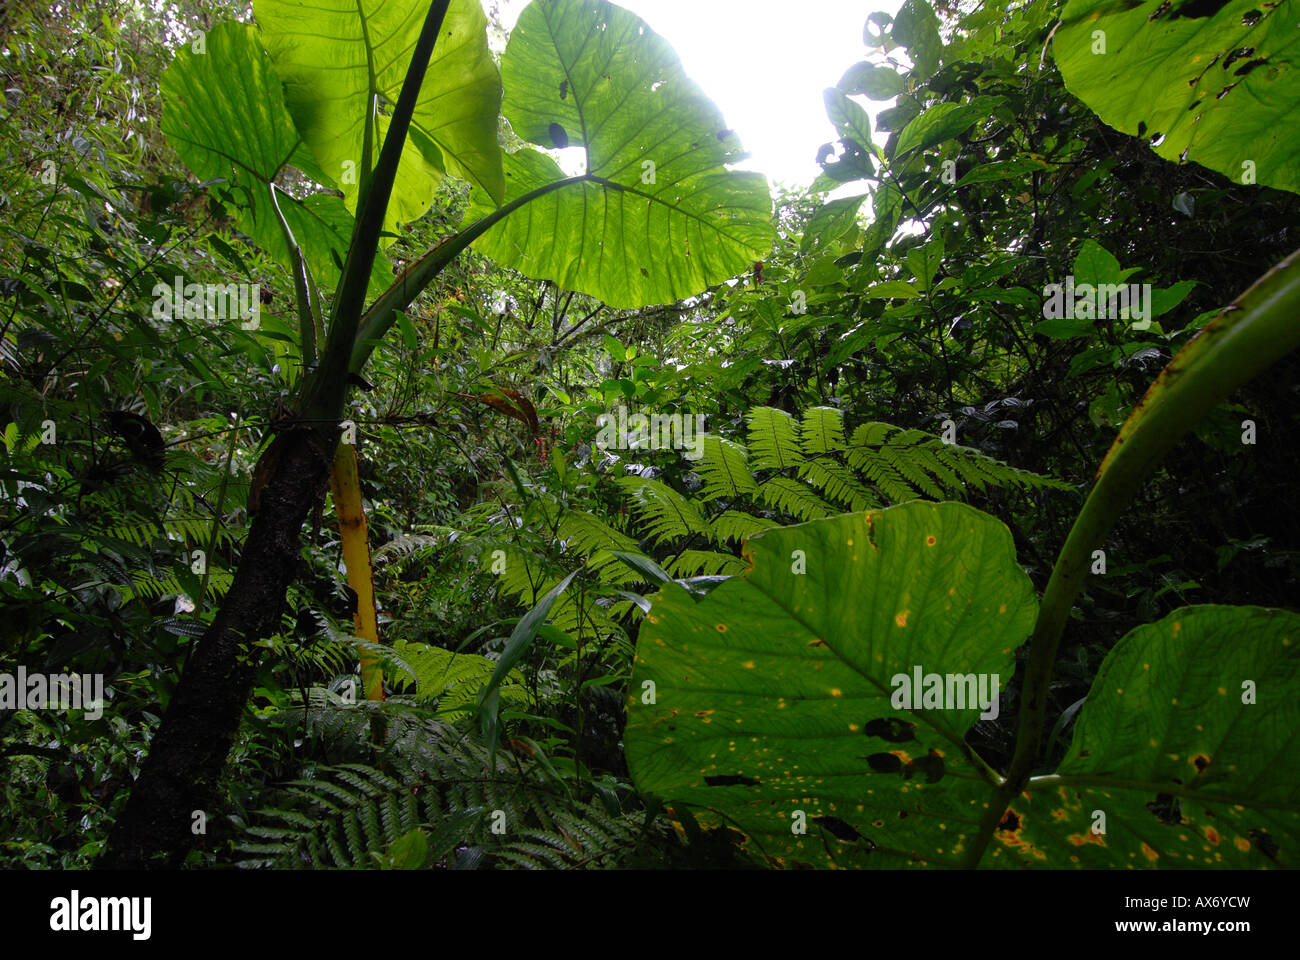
1187,747
656,215
1216,83
774,698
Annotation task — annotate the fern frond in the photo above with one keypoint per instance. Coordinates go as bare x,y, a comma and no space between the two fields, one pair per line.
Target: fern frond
774,439
519,572
724,470
904,464
107,567
911,460
837,482
407,545
734,526
610,569
135,529
823,430
794,499
443,783
879,472
706,563
195,529
165,583
666,513
587,533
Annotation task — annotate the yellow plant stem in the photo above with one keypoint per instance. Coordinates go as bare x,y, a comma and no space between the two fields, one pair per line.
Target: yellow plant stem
355,534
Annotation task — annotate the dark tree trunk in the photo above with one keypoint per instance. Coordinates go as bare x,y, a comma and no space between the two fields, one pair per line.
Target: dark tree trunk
189,751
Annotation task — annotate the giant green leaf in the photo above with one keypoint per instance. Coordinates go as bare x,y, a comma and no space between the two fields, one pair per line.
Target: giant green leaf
1216,83
656,216
224,112
336,56
773,694
1186,772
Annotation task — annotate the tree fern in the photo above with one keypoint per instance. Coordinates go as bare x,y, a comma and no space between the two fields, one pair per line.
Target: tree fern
452,679
441,782
409,545
797,469
910,461
693,563
154,585
331,650
572,837
774,439
794,498
520,572
837,481
666,514
822,431
586,533
733,526
880,472
929,466
724,470
611,570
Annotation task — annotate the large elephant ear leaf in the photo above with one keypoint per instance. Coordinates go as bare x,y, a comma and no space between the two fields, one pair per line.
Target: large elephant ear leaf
1216,83
769,706
657,215
1184,755
337,56
224,113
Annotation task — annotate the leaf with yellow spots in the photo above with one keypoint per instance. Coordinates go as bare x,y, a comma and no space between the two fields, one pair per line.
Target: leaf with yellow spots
799,686
1182,768
1185,753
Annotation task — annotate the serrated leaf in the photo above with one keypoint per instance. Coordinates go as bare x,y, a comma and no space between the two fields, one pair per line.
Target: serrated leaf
1001,170
917,29
924,261
850,120
893,289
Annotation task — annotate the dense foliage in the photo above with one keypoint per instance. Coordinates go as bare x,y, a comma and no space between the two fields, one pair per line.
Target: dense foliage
664,477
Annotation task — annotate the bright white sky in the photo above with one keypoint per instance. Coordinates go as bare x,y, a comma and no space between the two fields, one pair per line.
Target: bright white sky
765,64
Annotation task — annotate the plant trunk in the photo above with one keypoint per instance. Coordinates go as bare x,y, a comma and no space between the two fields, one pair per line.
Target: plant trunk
354,534
159,823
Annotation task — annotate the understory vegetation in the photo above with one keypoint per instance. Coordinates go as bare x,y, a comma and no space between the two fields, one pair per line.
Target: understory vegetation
421,505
